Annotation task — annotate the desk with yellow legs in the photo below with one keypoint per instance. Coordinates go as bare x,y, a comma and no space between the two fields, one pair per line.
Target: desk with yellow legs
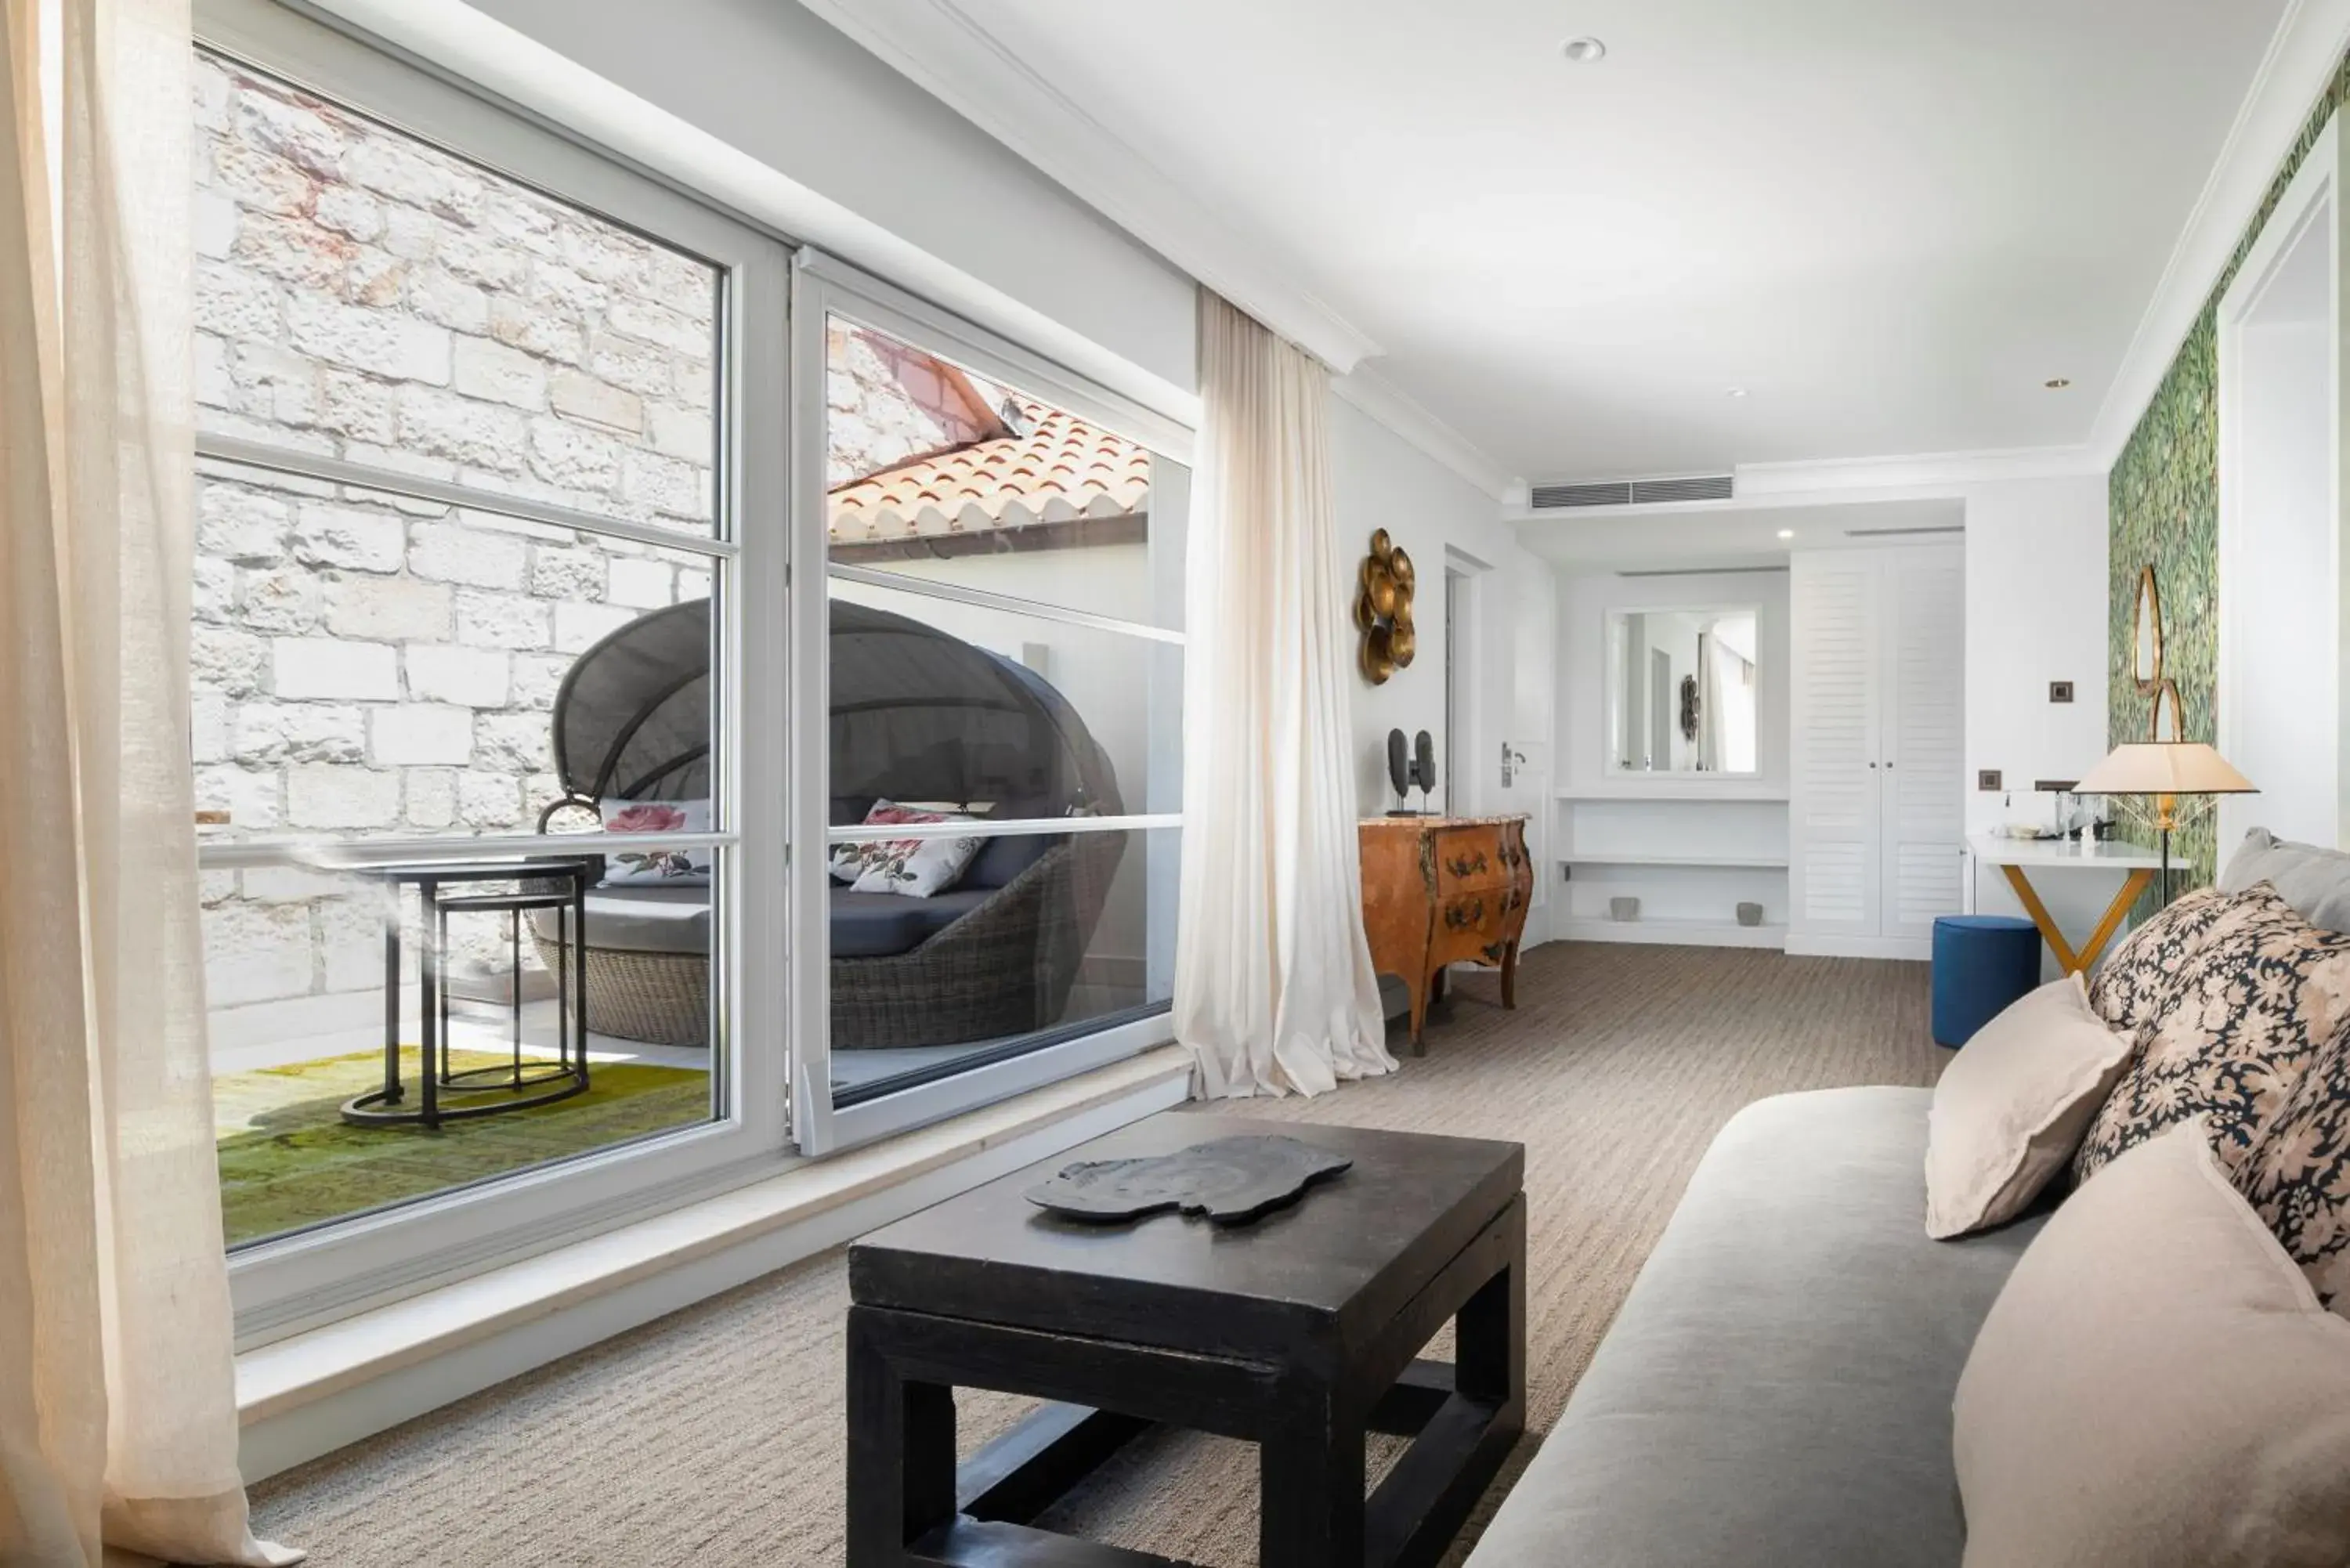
2021,859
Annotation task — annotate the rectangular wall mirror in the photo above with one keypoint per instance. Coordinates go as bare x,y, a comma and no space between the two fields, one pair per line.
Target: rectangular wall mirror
1681,690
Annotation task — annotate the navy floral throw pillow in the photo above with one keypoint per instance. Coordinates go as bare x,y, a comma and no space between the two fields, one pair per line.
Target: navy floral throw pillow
2131,983
2297,1173
2243,1022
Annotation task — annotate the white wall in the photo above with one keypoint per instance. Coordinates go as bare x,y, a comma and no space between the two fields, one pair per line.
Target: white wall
2037,612
2279,585
1384,481
771,78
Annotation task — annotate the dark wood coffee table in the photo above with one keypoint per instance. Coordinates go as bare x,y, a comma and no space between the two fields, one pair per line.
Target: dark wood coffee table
1300,1333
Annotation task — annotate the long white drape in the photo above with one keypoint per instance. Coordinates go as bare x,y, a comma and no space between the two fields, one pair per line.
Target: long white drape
1274,988
118,1419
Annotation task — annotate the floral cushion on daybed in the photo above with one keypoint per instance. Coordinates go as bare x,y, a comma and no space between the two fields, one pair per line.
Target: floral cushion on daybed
686,867
917,867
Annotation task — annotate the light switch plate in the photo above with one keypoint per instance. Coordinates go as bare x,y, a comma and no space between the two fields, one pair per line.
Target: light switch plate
2060,692
1988,778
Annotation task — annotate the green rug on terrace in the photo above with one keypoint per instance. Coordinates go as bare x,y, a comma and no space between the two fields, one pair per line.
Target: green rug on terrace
287,1158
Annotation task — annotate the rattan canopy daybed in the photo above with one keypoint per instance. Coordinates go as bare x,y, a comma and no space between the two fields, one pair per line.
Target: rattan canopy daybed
917,716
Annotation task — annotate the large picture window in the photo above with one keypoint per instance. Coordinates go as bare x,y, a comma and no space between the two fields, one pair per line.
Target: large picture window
468,397
663,705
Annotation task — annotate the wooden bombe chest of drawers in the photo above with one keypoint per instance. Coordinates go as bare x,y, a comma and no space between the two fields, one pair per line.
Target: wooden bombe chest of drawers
1441,890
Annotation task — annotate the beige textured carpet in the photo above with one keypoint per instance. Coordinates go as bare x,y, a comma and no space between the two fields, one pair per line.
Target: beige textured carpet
714,1438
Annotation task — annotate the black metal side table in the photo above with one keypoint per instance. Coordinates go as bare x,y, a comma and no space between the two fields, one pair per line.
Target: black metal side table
556,883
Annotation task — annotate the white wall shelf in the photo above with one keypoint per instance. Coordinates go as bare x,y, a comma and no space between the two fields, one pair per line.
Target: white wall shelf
1738,792
1691,847
1730,862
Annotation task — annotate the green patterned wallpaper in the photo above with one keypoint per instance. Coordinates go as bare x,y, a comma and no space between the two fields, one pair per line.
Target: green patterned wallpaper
2165,511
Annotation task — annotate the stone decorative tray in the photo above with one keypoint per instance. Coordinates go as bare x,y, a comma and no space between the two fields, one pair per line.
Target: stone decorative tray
1231,1180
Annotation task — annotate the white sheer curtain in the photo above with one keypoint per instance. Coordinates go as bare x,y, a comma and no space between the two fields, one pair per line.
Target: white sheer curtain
1274,988
117,1417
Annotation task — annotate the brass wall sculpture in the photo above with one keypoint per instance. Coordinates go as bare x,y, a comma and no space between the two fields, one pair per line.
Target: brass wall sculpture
1383,609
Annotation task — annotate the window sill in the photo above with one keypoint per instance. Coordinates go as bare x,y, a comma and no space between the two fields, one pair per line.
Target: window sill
290,1374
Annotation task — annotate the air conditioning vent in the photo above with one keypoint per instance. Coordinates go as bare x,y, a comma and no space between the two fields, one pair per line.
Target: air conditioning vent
1707,487
1701,571
1551,497
1631,492
1905,533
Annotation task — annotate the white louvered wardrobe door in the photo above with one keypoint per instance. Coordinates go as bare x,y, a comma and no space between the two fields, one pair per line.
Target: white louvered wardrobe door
1833,812
1923,592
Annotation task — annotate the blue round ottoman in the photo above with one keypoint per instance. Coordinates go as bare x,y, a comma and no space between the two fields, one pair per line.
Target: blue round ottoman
1982,963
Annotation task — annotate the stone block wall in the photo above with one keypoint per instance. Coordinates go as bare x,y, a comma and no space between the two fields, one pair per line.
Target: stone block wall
366,665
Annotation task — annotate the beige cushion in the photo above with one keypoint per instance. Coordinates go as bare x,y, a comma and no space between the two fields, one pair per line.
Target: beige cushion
2013,1105
2156,1386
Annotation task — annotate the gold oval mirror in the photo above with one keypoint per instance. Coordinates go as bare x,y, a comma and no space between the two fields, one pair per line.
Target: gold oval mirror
2146,634
2169,721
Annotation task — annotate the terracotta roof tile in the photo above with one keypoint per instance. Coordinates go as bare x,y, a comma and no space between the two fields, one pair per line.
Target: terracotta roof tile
1062,469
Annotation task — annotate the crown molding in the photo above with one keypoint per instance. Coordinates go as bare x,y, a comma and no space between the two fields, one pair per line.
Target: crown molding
1833,481
1920,472
1383,400
947,52
2305,51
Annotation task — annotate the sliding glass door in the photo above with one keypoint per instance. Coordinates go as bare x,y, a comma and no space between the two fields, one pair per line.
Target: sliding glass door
998,653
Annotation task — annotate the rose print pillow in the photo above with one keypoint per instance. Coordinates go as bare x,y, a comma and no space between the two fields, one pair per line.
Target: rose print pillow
681,868
917,867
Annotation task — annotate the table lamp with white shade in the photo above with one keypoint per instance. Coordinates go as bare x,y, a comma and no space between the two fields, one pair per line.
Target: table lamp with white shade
2165,770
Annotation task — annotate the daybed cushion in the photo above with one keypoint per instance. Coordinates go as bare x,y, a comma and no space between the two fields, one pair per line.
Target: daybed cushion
1777,1388
1003,857
880,925
641,918
655,920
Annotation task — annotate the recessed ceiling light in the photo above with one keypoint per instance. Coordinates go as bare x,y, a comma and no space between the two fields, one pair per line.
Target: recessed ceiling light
1786,533
2058,385
1735,392
1584,51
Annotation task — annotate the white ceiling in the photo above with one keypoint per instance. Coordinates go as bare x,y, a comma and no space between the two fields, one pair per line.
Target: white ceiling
1889,221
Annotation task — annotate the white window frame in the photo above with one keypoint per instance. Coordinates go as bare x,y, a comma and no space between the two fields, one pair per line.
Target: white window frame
824,287
283,1285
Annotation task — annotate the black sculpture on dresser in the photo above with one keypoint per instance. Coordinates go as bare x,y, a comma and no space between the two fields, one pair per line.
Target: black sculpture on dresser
1407,769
